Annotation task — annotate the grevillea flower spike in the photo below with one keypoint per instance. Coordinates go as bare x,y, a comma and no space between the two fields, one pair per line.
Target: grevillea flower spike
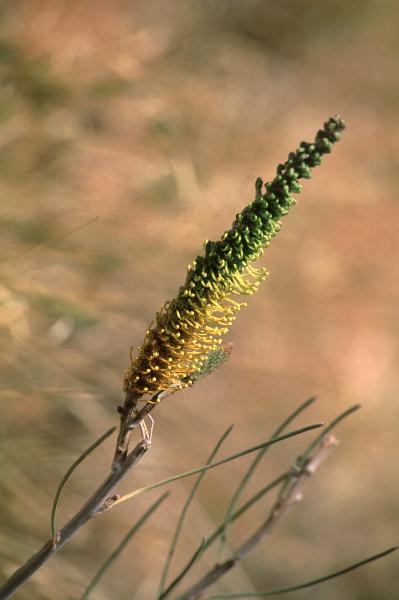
184,342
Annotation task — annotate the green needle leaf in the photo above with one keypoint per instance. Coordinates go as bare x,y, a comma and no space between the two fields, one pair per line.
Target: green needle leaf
183,513
114,555
68,474
217,464
308,584
254,464
209,540
193,559
329,428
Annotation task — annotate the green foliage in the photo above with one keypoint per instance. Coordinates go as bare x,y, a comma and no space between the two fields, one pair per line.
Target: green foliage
162,191
109,87
31,232
104,263
31,78
213,361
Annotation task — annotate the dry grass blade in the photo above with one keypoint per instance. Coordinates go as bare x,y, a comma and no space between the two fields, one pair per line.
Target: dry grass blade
53,240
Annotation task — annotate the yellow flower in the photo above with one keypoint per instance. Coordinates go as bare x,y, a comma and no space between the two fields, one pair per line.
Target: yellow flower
189,329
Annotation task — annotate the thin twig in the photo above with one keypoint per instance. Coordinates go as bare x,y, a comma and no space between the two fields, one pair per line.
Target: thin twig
284,478
290,495
131,417
128,414
90,509
102,499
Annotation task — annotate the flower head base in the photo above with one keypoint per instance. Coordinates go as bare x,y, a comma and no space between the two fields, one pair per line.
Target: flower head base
183,341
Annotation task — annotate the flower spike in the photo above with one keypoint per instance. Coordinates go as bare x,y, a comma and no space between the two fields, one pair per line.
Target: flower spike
184,341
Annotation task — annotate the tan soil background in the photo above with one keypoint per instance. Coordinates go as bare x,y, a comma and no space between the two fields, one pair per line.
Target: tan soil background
129,133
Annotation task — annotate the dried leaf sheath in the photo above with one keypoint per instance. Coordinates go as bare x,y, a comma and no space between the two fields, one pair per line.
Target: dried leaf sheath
192,325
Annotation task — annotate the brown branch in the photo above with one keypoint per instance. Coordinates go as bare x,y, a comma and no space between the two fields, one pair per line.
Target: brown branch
100,501
130,418
290,494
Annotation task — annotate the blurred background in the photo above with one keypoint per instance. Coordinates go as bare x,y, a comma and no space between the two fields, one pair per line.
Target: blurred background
130,131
